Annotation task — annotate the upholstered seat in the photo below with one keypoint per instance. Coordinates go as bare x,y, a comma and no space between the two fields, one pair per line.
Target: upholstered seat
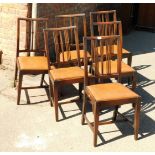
69,73
72,55
110,92
32,63
125,69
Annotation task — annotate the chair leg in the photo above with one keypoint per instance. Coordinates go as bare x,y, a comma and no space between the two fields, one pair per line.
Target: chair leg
96,123
42,79
15,78
19,87
80,90
84,108
136,120
134,83
129,59
55,92
115,113
50,93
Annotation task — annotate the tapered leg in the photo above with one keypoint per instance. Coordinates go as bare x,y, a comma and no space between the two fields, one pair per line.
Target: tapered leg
42,79
96,122
19,87
136,120
115,113
84,108
15,78
55,92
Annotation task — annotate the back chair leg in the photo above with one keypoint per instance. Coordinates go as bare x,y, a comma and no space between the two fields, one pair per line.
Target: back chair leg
50,93
19,87
42,79
129,59
136,120
115,113
84,109
15,78
134,83
80,90
96,123
55,92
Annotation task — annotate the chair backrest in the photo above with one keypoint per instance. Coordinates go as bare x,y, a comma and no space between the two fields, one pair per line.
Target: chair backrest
30,35
102,16
101,61
78,20
60,39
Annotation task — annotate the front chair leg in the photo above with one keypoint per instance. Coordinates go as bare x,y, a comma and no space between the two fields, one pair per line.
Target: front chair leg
55,92
96,123
136,119
19,87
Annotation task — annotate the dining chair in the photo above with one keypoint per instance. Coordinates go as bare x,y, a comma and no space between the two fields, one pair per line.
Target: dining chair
30,54
114,28
63,74
108,16
78,20
106,95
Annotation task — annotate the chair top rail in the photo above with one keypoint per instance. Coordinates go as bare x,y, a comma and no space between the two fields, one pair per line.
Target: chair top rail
103,12
70,15
60,28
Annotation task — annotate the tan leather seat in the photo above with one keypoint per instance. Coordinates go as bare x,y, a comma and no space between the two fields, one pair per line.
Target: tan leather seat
124,51
33,63
110,92
69,73
124,68
73,55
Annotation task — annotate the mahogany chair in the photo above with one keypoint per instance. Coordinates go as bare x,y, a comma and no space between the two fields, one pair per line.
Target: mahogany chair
29,40
78,20
103,95
114,28
107,16
60,39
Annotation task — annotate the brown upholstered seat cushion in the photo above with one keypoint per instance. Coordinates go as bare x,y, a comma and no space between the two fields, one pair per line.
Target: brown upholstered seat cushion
124,68
110,92
124,51
32,63
68,73
73,55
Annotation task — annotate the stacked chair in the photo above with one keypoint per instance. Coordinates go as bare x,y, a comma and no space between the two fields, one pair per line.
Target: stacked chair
87,60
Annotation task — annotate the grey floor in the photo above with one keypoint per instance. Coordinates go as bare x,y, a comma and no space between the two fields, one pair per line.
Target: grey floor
31,126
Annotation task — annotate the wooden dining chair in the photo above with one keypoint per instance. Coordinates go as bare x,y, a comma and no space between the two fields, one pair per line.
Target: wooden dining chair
78,20
103,95
62,74
30,44
114,28
108,16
